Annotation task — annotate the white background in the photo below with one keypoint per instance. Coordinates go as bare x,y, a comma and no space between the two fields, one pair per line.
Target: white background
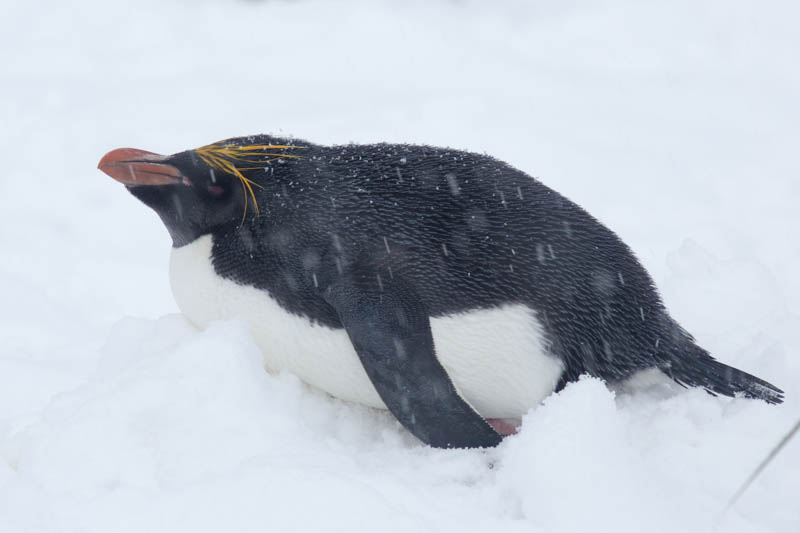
675,123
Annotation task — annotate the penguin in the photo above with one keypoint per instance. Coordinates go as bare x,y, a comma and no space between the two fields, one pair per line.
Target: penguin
445,286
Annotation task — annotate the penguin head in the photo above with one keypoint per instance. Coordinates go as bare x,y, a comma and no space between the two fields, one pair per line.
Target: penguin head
198,191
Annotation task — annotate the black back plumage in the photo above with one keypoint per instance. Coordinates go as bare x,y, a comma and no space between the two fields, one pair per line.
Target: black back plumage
468,231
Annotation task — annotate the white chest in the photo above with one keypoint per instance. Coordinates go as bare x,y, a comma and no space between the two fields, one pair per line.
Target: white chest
495,357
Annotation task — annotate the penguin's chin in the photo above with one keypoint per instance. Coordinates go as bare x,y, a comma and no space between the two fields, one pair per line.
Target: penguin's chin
137,168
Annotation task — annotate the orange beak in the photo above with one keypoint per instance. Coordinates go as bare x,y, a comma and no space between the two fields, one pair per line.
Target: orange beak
137,167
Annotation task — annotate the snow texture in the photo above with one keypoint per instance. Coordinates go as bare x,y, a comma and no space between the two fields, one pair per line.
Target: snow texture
675,123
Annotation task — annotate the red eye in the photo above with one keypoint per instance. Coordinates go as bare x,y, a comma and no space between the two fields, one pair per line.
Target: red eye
216,190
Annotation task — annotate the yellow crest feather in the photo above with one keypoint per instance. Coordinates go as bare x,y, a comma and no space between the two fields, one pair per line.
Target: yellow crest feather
233,159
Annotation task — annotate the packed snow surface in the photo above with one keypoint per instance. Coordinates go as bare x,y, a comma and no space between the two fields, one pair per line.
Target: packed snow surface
675,123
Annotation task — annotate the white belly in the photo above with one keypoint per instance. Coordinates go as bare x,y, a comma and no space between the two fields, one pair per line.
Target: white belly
496,358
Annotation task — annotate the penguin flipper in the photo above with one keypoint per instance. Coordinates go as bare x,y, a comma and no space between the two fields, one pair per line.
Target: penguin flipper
390,330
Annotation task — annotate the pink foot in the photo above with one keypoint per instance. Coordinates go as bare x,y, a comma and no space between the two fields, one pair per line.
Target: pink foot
504,426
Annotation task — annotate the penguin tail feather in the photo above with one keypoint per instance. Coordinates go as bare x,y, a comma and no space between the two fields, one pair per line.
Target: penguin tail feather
698,369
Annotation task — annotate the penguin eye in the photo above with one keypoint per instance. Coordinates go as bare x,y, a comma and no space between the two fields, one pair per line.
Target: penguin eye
215,190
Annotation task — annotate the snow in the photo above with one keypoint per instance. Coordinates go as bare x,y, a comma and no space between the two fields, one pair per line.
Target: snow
675,123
